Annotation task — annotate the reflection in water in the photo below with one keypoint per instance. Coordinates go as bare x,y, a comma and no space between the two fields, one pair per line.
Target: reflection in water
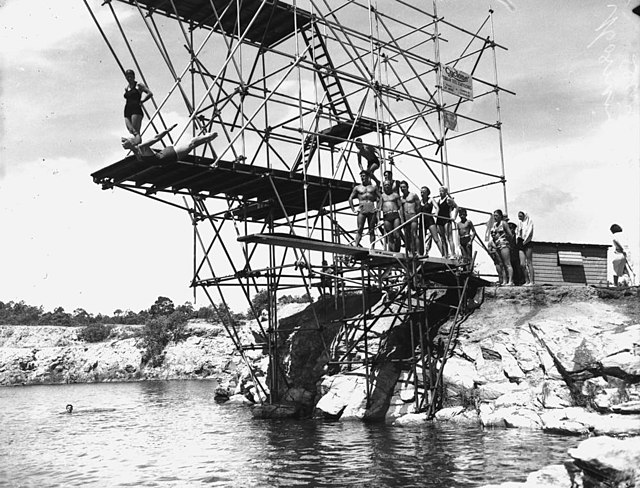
175,434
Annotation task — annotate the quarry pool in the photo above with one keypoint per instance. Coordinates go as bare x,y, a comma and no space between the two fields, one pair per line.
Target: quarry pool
174,434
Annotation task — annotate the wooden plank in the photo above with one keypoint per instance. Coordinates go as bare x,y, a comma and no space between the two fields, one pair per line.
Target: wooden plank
299,242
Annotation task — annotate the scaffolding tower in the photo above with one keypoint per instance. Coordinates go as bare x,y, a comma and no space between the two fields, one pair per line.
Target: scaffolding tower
289,86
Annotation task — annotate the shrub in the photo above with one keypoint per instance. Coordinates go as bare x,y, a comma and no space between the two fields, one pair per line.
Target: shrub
95,333
158,332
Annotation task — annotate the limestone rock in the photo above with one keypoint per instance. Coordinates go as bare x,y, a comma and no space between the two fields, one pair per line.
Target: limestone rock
448,413
345,395
522,418
607,461
411,419
459,373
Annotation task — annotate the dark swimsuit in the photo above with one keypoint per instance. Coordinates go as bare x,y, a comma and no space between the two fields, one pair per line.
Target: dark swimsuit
428,219
391,216
165,156
444,210
133,106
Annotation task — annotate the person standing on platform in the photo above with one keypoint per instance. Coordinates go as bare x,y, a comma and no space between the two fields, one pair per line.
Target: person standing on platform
325,280
447,214
501,236
429,208
133,113
524,236
170,154
368,196
410,209
372,157
392,216
466,232
388,176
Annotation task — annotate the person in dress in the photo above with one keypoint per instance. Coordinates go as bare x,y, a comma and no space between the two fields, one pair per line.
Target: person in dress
524,245
620,257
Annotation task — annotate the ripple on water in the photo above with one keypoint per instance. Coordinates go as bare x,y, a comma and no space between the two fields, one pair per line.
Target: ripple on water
174,434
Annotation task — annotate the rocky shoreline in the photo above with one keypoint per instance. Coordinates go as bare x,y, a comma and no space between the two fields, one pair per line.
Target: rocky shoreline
561,359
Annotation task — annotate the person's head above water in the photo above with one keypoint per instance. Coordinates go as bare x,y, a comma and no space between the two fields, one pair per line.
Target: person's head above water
615,228
69,408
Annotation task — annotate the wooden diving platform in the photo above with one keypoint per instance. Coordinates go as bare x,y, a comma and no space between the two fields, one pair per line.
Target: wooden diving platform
373,257
262,193
344,130
275,21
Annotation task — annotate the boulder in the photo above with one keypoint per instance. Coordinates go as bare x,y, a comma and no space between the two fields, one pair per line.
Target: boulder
607,461
523,418
459,373
448,413
411,419
344,395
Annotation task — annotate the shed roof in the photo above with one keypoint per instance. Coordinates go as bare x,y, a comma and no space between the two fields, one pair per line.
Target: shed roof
572,244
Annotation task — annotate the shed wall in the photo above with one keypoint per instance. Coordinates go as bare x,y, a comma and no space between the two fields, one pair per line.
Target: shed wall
547,270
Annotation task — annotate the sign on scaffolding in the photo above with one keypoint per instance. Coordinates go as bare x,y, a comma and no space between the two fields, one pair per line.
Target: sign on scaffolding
457,82
450,120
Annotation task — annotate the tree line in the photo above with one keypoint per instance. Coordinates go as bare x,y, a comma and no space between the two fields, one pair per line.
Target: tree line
20,313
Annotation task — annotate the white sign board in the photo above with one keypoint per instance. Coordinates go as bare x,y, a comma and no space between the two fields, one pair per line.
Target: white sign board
457,82
451,121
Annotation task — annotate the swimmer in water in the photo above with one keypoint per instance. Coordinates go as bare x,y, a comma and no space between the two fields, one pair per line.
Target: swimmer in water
69,408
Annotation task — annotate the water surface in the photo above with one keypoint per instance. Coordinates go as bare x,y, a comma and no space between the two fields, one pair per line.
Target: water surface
174,434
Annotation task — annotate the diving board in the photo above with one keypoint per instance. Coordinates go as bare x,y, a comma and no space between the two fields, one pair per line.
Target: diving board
300,242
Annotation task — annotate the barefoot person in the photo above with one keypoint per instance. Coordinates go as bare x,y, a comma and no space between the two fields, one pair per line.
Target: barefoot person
133,114
524,236
367,195
372,157
466,232
169,154
501,236
447,213
410,208
429,208
392,217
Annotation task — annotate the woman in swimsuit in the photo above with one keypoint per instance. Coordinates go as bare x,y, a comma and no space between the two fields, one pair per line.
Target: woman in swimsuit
501,236
133,113
169,154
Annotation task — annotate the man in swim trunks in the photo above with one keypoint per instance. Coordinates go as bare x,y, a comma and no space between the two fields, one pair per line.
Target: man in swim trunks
170,154
369,153
392,215
466,233
447,213
368,197
411,208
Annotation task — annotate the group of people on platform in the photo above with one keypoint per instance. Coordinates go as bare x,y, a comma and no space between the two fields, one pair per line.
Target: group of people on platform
416,221
419,221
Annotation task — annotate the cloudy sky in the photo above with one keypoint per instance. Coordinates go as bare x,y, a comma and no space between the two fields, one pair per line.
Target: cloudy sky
571,139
